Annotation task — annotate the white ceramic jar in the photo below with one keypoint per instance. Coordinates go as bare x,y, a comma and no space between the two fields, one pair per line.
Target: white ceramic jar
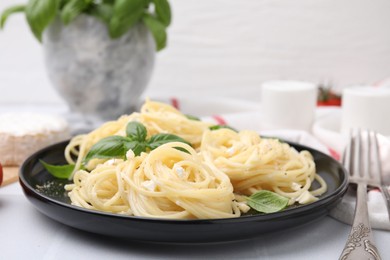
288,104
366,107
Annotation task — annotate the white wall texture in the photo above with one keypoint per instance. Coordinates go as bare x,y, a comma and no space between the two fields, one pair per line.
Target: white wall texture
229,47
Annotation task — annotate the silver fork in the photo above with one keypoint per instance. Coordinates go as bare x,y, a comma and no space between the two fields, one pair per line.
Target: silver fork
358,159
382,187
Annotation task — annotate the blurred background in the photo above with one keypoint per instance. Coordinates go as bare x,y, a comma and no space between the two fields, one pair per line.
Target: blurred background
228,48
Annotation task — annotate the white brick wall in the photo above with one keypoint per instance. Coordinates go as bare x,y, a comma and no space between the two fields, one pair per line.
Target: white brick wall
228,47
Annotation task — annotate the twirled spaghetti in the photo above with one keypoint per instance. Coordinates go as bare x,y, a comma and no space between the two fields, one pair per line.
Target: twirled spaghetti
254,163
155,116
210,178
166,183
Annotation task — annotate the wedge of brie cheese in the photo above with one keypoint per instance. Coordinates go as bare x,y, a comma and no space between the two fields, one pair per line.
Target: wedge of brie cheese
22,134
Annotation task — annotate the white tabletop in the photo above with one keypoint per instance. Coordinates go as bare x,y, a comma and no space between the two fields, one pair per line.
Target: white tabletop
28,234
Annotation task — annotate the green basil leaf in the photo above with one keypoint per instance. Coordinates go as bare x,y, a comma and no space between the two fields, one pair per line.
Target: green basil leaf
158,31
59,171
72,9
103,12
63,3
182,149
147,3
39,15
216,127
136,131
191,117
267,201
125,15
160,139
109,147
111,2
136,147
11,10
163,11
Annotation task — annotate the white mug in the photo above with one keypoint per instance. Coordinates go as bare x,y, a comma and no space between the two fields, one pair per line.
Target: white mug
288,104
366,107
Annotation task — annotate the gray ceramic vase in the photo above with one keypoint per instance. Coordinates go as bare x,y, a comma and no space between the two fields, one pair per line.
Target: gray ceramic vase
97,76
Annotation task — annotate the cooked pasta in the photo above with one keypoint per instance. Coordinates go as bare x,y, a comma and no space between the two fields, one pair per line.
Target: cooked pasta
166,183
211,176
155,116
254,163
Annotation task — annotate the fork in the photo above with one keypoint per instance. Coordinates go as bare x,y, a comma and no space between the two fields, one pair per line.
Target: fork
383,187
358,159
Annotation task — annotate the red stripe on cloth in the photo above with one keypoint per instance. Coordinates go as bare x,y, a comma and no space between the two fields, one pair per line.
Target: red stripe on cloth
379,83
175,103
219,120
334,154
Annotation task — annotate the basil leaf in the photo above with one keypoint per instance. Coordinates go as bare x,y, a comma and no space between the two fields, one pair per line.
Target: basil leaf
59,171
109,147
111,2
103,12
157,29
126,14
182,150
216,127
191,117
11,10
63,3
39,15
136,131
160,139
72,9
267,201
136,147
163,11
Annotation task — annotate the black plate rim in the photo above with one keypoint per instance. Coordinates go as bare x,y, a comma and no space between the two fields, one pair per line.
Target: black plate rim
294,211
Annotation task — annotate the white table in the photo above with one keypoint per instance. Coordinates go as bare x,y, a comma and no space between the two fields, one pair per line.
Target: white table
28,234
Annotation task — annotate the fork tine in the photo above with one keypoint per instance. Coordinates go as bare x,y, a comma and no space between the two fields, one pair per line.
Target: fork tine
346,159
357,149
367,154
377,163
378,169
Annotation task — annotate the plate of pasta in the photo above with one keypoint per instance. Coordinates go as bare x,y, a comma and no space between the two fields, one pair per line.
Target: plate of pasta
159,175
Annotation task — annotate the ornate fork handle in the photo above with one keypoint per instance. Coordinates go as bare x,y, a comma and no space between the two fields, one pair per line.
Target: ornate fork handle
360,243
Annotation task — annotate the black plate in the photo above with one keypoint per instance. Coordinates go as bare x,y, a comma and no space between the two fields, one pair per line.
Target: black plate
48,196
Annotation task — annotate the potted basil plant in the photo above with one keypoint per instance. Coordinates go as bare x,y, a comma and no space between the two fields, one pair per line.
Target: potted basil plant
99,54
